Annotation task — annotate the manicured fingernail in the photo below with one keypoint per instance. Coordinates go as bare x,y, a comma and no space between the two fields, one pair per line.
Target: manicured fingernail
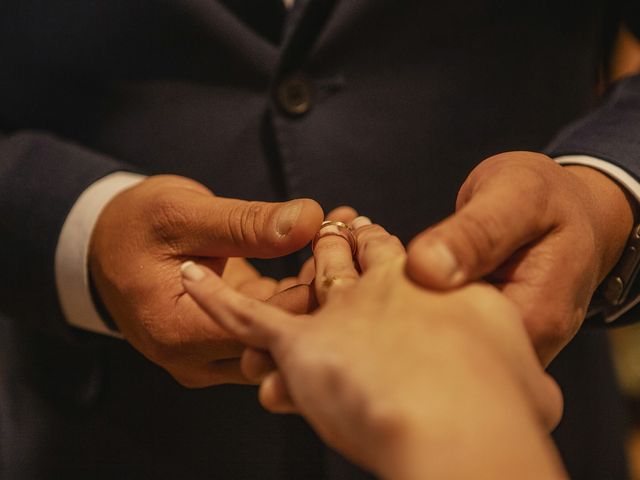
191,271
288,217
360,222
441,261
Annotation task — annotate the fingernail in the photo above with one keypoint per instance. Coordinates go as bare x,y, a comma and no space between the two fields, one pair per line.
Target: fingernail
288,217
441,261
191,271
360,222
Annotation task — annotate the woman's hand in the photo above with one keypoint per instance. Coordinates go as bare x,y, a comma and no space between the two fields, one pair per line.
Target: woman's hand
401,380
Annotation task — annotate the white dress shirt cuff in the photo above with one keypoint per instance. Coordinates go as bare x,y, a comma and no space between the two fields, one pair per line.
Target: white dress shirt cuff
616,173
630,184
72,251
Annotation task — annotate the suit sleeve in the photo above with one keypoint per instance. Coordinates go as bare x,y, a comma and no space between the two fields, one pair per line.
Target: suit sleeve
611,133
41,176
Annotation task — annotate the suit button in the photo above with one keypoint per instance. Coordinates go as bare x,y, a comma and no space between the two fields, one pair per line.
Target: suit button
295,95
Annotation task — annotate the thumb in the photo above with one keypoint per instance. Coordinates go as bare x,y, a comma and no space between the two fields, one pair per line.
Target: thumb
496,222
236,228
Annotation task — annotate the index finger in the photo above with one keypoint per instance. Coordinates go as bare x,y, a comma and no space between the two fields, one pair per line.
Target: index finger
255,323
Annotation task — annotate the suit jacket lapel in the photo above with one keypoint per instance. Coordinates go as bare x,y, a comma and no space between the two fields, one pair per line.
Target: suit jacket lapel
305,22
314,25
345,18
232,31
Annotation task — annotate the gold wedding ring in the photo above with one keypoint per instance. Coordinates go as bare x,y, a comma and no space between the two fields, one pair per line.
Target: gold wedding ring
338,229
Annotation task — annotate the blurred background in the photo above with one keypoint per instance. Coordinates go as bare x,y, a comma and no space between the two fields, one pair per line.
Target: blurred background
626,354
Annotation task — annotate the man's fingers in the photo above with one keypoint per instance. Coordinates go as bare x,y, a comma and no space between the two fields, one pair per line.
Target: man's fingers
286,283
236,271
253,322
260,288
497,221
218,372
375,245
223,227
535,274
299,299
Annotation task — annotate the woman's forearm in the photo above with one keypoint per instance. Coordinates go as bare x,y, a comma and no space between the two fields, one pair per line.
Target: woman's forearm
495,433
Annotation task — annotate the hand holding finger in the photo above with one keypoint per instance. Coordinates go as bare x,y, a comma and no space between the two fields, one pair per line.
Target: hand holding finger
253,322
257,324
494,219
342,214
334,263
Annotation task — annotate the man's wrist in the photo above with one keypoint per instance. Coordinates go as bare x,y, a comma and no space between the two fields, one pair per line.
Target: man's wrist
71,257
613,211
619,292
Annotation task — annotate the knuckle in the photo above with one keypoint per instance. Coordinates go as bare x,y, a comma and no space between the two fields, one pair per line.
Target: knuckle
286,345
383,415
332,242
383,241
395,241
330,367
245,222
368,230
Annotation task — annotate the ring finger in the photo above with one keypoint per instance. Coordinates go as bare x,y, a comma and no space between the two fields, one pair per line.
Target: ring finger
334,263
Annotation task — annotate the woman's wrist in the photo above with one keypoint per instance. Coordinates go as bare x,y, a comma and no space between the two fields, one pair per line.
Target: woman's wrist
485,427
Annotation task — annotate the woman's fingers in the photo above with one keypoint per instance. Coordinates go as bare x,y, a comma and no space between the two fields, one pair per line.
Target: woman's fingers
342,214
360,221
256,364
333,261
253,322
376,246
274,395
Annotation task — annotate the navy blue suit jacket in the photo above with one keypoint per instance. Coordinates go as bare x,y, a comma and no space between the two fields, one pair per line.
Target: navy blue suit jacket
408,96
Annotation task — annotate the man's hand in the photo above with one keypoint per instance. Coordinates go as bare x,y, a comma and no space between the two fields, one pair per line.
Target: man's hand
546,235
146,232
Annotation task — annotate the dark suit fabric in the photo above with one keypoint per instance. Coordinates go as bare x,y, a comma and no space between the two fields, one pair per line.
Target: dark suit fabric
408,97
